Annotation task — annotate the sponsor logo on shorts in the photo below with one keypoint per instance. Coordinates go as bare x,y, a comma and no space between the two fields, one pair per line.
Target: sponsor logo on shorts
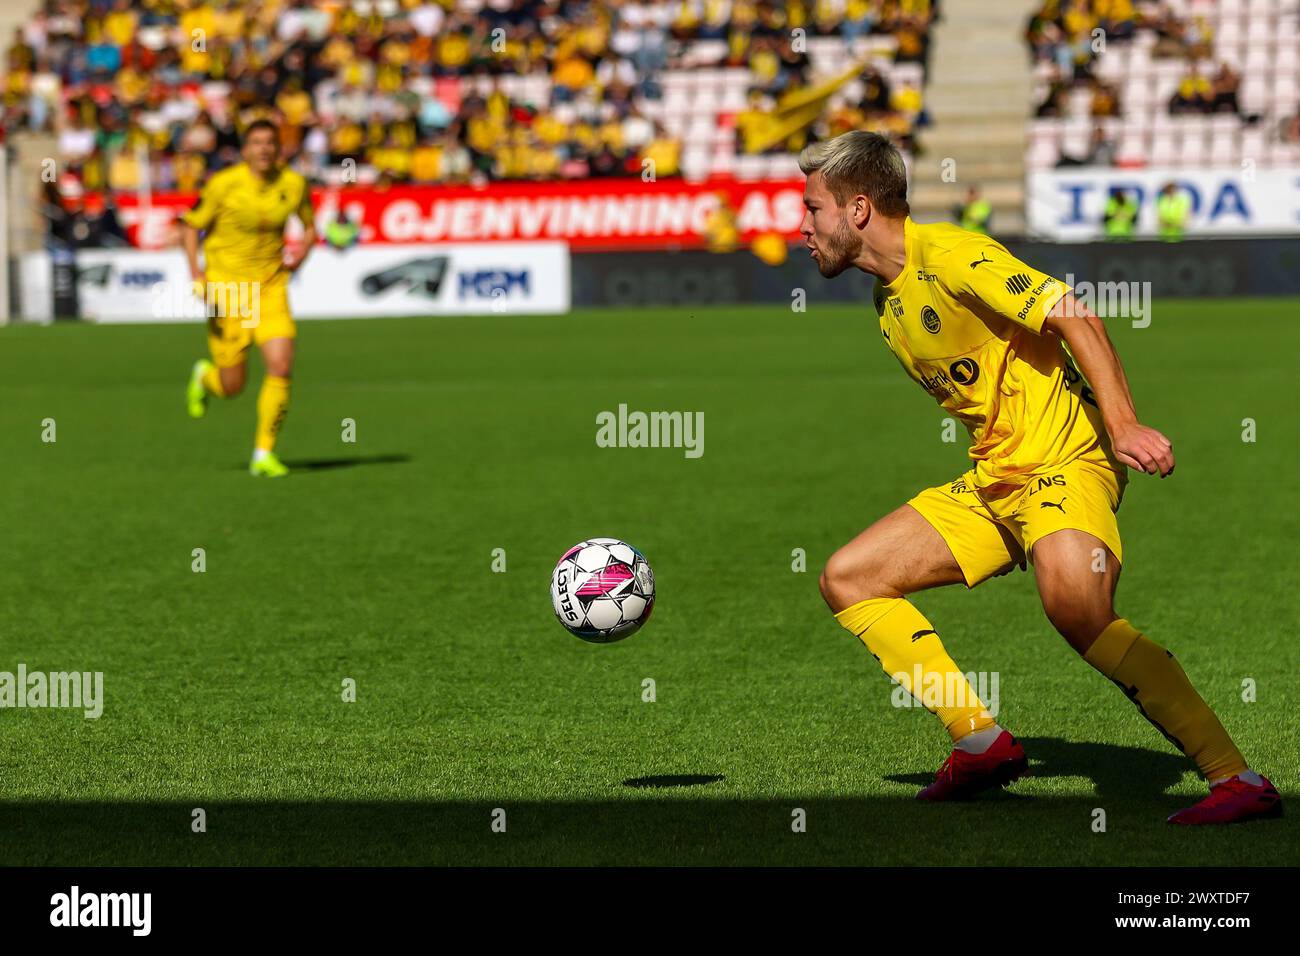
1058,505
1055,481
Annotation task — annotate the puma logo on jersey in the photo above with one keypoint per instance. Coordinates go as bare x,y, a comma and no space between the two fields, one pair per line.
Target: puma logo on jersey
984,257
1058,505
920,634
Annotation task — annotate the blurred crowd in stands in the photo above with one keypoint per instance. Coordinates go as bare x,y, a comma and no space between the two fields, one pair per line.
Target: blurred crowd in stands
1071,34
157,91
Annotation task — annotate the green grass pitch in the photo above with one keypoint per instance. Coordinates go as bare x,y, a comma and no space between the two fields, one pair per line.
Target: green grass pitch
373,561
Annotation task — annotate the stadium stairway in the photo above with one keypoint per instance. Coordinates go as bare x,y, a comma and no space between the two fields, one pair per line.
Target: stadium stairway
978,97
15,14
27,152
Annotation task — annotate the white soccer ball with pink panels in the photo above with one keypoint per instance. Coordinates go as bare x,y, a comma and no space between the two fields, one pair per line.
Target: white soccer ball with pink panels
603,590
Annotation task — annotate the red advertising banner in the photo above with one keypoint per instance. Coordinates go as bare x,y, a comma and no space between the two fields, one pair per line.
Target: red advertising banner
598,214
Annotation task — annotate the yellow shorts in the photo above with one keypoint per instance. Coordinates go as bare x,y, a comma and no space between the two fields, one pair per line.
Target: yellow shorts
243,314
991,531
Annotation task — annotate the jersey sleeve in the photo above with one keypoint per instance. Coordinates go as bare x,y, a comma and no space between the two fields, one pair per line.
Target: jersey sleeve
204,212
981,270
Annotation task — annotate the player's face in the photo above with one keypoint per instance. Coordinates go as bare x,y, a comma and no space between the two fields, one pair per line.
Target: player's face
832,242
261,150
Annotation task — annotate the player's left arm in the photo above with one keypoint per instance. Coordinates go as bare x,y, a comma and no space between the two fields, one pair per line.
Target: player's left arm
307,216
1134,444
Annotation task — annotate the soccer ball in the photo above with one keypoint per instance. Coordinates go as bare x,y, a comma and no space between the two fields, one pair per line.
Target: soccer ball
603,590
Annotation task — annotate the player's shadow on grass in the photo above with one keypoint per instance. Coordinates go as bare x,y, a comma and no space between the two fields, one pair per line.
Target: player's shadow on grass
673,780
325,464
1115,771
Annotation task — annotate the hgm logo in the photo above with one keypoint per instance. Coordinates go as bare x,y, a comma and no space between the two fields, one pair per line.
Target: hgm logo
487,283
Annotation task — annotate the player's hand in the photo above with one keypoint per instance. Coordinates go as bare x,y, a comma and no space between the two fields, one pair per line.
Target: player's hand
198,285
1144,449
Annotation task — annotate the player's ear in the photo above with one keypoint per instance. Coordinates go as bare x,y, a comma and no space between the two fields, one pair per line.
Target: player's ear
860,211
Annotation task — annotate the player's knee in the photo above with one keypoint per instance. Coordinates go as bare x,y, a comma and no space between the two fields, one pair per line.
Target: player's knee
849,577
1079,623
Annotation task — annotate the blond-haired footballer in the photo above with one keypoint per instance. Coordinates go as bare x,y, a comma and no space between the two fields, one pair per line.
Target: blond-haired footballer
244,279
995,341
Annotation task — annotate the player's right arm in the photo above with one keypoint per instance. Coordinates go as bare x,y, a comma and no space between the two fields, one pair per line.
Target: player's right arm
190,243
982,270
1139,446
201,217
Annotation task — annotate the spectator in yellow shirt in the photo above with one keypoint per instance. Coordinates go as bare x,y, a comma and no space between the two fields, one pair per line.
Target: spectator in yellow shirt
120,23
664,154
198,28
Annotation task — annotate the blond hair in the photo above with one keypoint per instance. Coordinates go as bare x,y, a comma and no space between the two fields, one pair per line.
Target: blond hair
860,163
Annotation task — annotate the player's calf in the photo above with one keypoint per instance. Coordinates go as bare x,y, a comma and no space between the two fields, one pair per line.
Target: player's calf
206,381
864,583
233,379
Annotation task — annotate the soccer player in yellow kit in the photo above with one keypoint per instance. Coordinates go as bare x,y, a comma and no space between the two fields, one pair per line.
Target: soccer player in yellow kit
995,342
244,281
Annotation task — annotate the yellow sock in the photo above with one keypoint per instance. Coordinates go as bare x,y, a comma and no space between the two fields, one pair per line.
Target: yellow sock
212,382
1156,682
272,406
899,636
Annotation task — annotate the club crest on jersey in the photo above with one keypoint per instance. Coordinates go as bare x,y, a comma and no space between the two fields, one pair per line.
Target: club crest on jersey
930,319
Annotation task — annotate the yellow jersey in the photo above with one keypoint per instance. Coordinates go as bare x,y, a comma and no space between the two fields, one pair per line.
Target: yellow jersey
965,320
244,217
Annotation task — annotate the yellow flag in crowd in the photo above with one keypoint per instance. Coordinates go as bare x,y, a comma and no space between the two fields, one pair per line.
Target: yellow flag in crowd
794,111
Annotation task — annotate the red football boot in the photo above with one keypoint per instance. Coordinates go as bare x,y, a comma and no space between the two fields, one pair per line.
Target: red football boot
1232,801
965,774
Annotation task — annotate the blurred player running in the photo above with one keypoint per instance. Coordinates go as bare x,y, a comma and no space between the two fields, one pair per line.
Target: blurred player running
244,280
987,336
